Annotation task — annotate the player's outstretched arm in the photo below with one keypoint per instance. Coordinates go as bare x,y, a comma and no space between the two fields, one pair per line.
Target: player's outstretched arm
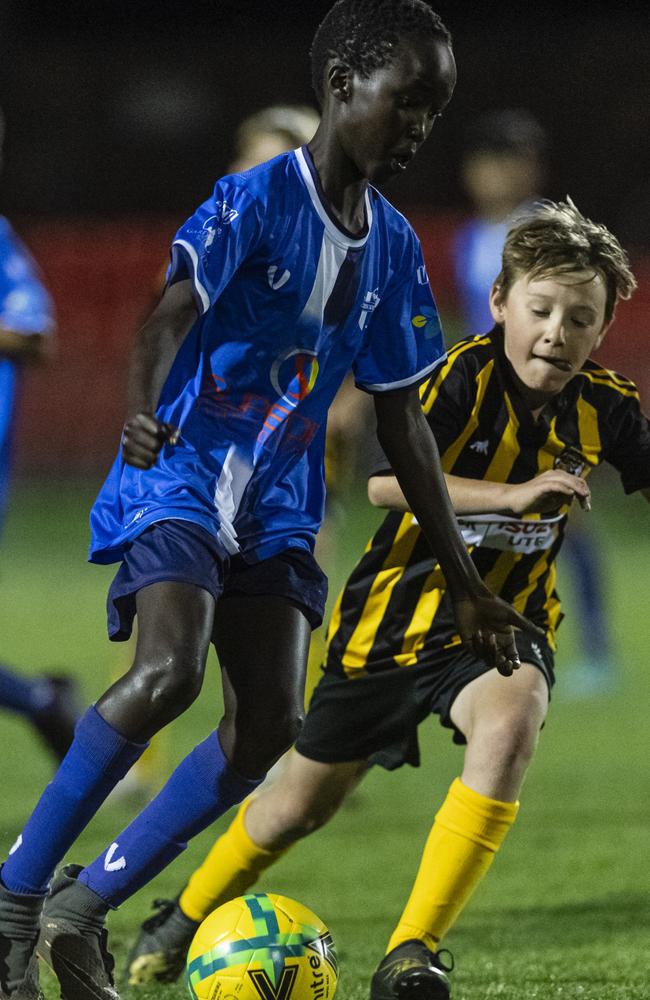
541,495
156,347
483,620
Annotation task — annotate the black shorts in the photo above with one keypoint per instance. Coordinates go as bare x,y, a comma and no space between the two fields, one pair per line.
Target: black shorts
375,717
184,552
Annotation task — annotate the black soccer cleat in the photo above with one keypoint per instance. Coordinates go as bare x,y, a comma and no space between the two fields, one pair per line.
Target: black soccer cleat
159,954
73,939
20,916
411,972
55,723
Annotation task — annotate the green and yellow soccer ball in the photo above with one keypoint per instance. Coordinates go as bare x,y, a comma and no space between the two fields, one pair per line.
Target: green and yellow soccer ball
262,947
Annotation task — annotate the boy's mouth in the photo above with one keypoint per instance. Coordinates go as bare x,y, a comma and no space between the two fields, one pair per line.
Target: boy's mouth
560,363
400,161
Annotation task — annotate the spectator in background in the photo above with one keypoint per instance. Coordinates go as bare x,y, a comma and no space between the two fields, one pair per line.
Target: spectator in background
503,167
26,328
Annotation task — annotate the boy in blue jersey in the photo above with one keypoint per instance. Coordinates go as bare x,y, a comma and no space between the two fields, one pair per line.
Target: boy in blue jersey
26,328
288,276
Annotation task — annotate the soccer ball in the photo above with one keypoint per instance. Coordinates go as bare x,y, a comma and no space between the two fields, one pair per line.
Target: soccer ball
262,947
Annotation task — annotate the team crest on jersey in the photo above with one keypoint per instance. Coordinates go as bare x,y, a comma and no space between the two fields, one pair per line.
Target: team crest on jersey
368,306
571,460
427,321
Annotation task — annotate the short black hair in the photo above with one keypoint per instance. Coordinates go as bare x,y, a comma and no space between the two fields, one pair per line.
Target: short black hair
364,34
506,130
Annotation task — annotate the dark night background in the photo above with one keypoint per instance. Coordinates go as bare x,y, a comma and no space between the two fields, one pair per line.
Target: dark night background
128,107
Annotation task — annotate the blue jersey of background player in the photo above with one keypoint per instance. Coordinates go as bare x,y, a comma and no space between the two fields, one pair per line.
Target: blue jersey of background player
288,302
26,325
26,321
209,488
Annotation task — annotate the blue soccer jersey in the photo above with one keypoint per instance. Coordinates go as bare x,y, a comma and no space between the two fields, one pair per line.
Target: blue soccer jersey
477,262
288,302
25,308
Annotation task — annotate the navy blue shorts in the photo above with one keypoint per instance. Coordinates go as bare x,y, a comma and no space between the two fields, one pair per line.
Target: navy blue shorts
183,552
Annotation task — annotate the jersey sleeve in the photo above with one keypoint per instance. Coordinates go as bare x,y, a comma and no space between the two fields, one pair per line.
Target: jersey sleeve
447,399
628,445
215,241
404,342
25,305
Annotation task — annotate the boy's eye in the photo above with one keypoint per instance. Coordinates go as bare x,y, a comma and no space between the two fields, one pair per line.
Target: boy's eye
540,312
581,323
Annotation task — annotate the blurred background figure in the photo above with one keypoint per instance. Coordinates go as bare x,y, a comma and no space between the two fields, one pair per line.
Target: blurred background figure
271,131
503,172
47,702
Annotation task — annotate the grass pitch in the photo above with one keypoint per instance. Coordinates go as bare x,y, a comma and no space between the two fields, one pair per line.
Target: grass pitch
564,912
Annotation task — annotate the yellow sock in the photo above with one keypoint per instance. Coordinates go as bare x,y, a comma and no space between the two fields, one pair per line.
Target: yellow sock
468,831
233,865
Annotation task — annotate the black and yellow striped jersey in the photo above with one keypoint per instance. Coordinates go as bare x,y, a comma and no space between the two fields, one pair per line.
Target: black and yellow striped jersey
394,610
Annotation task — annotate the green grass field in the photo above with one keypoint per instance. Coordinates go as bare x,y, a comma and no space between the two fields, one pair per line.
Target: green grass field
564,912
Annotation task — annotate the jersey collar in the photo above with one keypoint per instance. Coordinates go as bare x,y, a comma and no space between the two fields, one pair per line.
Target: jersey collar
335,230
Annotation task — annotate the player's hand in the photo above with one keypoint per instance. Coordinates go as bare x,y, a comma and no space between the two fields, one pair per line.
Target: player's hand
143,437
487,624
548,491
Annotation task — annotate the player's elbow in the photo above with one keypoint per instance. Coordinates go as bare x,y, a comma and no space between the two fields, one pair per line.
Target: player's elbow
377,491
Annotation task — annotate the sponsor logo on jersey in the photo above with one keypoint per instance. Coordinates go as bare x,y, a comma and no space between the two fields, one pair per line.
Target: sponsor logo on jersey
214,224
427,321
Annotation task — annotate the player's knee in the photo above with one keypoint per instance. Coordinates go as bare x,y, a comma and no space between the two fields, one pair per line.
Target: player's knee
282,731
170,687
300,817
508,741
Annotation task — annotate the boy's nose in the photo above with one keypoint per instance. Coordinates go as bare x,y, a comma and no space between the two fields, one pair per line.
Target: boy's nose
556,333
418,129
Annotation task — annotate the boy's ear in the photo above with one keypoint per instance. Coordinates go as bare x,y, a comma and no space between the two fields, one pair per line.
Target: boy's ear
496,304
338,81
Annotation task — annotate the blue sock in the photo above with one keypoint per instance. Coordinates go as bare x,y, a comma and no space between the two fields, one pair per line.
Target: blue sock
25,695
98,758
202,787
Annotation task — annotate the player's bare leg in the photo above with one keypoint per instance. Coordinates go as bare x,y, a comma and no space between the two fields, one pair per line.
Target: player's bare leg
500,718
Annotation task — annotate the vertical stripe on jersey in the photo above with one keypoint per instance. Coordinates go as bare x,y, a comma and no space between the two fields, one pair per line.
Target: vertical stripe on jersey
454,450
507,450
552,604
425,611
590,443
392,571
330,262
335,620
